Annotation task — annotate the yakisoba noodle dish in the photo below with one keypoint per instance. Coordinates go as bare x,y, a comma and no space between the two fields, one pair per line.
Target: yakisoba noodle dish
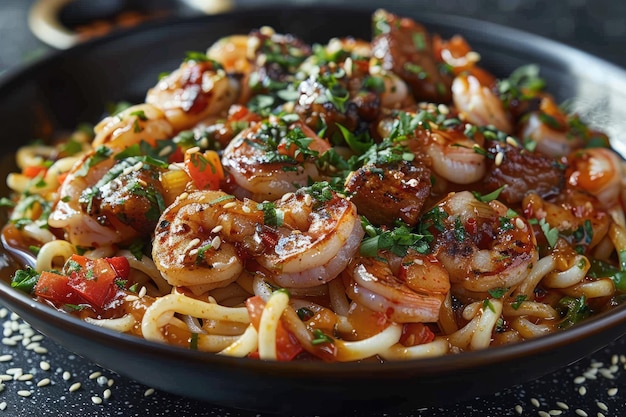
359,200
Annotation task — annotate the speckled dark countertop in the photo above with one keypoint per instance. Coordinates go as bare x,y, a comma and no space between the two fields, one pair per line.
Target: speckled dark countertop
40,378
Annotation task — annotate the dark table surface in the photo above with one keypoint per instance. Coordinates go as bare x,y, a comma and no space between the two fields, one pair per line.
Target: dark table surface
40,378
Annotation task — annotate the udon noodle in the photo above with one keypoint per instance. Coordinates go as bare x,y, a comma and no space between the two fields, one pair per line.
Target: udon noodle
358,200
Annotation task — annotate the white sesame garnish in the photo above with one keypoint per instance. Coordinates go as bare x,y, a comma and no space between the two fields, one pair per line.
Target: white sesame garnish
142,291
499,158
582,390
216,242
580,412
40,350
8,342
6,358
602,406
579,379
66,376
562,405
217,229
25,377
308,200
106,394
74,387
148,392
43,382
520,223
229,205
543,414
612,392
24,393
96,400
95,375
193,150
3,405
519,409
246,209
286,197
165,151
534,402
555,412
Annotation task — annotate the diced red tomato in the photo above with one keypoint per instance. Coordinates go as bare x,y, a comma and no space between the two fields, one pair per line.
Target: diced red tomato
414,334
120,265
95,283
55,287
32,171
287,346
205,169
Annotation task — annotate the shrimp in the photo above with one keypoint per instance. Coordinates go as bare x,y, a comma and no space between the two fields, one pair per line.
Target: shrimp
197,239
407,290
453,154
598,171
198,90
271,158
232,53
478,104
482,245
105,201
142,122
319,233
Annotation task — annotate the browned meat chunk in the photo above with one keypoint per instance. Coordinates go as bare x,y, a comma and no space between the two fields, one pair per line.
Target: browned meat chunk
405,47
390,192
522,172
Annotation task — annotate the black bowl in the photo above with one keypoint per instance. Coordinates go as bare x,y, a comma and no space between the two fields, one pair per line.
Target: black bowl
73,86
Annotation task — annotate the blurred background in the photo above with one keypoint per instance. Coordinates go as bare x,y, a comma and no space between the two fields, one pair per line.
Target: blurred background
32,28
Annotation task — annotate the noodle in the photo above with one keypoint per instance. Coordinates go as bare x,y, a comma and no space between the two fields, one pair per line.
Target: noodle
381,199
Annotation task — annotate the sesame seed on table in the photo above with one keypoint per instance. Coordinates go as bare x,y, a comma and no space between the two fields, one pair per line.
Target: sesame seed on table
38,377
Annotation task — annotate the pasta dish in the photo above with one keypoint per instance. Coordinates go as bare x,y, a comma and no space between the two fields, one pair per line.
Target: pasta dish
383,199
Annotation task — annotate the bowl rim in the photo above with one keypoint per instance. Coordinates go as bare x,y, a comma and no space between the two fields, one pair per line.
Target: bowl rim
536,45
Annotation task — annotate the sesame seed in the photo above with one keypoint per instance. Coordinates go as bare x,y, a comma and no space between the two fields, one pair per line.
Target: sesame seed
555,412
6,358
582,390
14,371
142,183
614,359
148,392
216,242
602,406
106,394
534,402
8,342
246,209
96,400
25,377
183,195
74,387
193,252
142,291
472,56
31,345
40,350
543,414
204,142
165,151
520,223
499,158
43,382
562,405
596,364
194,242
5,377
37,338
3,312
217,228
612,392
308,200
580,412
286,197
229,205
519,409
590,375
607,373
579,379
600,414
66,376
95,375
3,405
193,150
110,382
24,393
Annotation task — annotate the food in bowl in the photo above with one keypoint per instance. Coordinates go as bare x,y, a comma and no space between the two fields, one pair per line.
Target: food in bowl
360,200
